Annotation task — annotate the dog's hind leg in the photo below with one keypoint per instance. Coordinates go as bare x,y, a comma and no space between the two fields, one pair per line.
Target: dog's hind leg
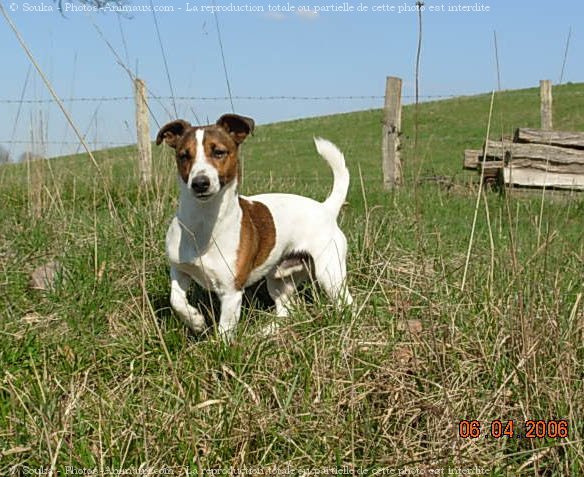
283,282
330,271
281,290
282,287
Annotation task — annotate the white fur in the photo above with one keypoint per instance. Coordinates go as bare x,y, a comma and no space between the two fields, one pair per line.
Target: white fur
336,161
203,239
203,166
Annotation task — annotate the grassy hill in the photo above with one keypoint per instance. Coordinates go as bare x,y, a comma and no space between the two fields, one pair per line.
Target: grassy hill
98,372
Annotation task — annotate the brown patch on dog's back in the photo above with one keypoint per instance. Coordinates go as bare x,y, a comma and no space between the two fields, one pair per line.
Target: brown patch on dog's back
256,241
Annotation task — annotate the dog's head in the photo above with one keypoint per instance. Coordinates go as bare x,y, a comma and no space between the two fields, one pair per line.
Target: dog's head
206,157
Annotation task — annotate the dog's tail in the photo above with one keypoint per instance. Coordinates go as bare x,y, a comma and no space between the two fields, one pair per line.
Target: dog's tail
336,161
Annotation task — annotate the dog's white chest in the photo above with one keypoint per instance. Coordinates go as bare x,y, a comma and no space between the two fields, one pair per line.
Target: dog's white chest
210,266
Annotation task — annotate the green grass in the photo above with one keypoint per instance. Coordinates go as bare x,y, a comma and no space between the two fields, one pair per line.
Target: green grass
99,374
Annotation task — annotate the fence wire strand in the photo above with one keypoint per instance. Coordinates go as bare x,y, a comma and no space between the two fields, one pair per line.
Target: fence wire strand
261,98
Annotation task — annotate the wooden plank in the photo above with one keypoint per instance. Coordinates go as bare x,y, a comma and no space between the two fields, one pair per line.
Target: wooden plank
546,104
538,155
550,138
528,163
471,159
538,178
490,165
391,130
544,153
496,150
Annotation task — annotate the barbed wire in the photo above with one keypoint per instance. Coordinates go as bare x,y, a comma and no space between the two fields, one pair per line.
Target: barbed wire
267,98
255,141
67,143
214,98
101,99
187,98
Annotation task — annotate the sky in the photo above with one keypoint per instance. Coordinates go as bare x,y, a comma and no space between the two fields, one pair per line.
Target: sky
322,56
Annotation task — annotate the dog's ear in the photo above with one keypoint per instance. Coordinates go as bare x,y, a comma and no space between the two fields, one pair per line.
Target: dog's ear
239,127
172,132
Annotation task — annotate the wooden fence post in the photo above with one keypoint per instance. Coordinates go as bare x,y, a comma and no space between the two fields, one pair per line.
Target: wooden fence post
545,93
391,130
143,132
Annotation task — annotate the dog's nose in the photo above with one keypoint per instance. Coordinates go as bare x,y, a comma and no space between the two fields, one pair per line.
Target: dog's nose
200,184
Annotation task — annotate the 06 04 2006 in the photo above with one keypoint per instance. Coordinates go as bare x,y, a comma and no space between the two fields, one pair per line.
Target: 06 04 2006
529,429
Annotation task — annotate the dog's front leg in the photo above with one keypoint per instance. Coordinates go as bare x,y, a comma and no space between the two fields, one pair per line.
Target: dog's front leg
179,286
230,311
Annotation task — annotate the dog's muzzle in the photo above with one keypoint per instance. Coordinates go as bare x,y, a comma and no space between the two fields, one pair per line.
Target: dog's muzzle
200,185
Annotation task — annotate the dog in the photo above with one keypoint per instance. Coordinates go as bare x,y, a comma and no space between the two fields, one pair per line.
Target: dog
226,242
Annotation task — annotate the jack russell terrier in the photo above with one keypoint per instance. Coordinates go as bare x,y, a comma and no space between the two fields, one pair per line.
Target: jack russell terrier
226,242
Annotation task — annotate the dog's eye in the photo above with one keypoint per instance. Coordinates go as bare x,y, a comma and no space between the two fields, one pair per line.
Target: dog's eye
183,156
219,153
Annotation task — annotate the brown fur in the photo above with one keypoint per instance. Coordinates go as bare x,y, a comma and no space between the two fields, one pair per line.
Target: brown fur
226,135
238,126
185,156
172,132
227,167
257,239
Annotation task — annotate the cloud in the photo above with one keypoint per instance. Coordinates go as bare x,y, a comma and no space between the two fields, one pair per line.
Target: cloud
307,14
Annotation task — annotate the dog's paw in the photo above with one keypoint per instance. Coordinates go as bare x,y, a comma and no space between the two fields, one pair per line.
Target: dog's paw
270,330
195,321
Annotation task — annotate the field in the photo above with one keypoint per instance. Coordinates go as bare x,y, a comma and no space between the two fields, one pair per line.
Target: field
98,374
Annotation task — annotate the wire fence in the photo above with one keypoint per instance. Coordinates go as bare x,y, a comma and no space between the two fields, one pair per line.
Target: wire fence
105,99
108,121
